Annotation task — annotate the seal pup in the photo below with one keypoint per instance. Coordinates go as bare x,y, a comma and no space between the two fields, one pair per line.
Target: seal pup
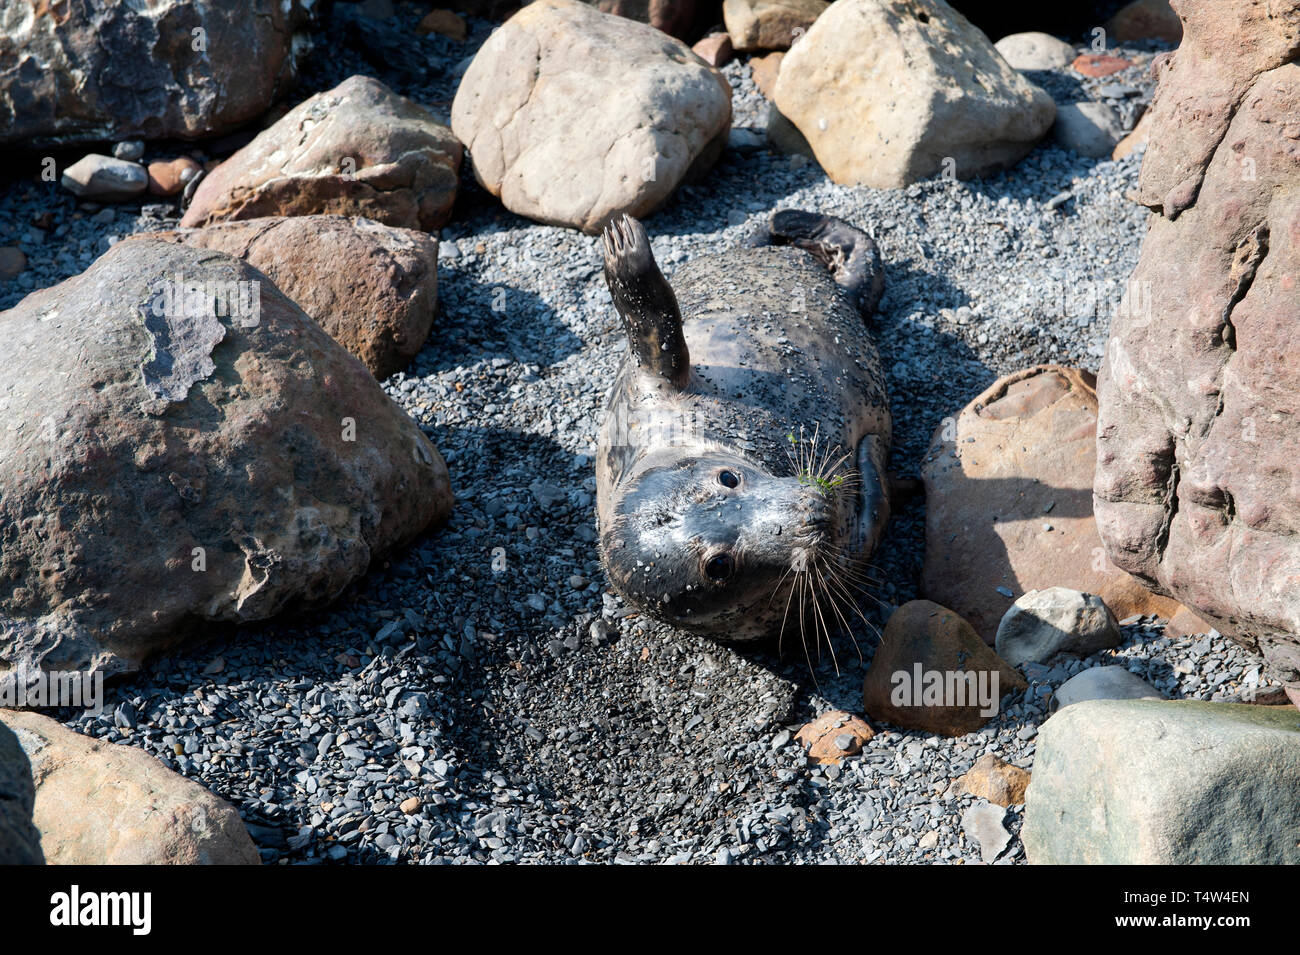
741,463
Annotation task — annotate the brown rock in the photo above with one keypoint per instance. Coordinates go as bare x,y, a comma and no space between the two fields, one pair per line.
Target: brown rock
13,262
999,782
380,308
1197,445
444,23
715,49
683,19
834,735
1016,461
104,71
769,24
1099,64
410,806
100,804
169,178
1184,623
765,70
358,149
924,643
1137,138
225,460
1145,20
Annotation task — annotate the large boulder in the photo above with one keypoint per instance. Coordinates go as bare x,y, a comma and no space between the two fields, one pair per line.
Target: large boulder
891,91
1009,502
933,673
179,457
572,116
1197,441
1137,782
101,804
358,149
101,70
20,841
380,307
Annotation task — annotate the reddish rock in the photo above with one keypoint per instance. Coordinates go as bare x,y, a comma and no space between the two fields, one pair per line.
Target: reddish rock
1197,439
444,23
834,735
1009,502
995,780
677,18
764,70
1184,623
169,178
358,149
769,24
715,49
380,308
923,642
1094,64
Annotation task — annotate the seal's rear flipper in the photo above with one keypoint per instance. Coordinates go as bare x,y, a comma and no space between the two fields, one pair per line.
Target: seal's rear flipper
846,250
646,301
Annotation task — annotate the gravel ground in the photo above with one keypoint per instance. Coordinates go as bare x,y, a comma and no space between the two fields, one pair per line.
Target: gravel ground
482,698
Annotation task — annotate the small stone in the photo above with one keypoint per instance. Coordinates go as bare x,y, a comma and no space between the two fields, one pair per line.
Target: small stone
781,739
983,825
834,735
715,49
1103,683
410,806
169,178
1034,51
130,150
1099,64
104,178
995,780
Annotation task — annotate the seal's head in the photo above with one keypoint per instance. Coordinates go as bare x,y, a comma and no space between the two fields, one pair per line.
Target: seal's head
714,543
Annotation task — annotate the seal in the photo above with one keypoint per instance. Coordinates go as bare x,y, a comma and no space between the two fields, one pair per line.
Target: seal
741,464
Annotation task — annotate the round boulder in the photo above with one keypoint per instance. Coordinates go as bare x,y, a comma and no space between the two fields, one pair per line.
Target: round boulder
573,116
358,149
186,446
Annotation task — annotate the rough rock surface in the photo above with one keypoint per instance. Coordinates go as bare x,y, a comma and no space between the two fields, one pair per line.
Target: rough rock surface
573,116
1043,623
20,841
891,91
380,307
1009,504
1181,782
1103,683
923,638
1196,440
100,804
358,149
176,465
65,76
1034,51
995,780
769,24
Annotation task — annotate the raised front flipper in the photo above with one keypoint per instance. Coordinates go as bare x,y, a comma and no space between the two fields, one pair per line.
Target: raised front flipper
646,302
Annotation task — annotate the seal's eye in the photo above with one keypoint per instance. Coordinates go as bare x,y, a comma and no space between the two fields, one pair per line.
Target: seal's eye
719,566
728,479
